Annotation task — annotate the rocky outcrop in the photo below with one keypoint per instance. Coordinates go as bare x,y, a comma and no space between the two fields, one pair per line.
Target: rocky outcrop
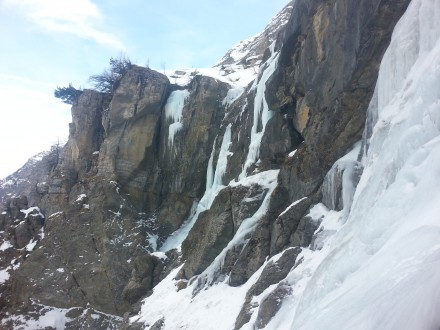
86,254
146,271
85,133
273,273
31,180
132,127
117,185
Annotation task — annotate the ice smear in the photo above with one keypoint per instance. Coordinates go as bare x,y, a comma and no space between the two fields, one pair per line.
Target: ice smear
267,180
173,112
214,185
381,269
261,112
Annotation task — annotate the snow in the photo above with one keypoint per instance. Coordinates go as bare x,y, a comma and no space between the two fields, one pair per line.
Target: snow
81,197
4,275
30,211
232,95
160,255
31,245
237,75
5,245
173,112
241,50
215,308
373,265
292,205
53,318
56,214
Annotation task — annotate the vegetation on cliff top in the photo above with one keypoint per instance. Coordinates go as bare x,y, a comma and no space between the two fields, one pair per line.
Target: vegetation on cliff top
106,82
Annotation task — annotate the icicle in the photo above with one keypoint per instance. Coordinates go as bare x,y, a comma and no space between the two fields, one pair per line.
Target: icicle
173,111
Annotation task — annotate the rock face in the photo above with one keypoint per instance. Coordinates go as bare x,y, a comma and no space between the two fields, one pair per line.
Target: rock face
232,177
341,43
85,132
135,110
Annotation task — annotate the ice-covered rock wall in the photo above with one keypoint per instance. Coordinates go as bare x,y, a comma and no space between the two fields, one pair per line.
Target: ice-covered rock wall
381,269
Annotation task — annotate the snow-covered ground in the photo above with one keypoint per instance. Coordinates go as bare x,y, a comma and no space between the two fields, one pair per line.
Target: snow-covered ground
237,75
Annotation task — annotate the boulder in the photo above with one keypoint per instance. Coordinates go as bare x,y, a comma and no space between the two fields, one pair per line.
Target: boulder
273,273
271,305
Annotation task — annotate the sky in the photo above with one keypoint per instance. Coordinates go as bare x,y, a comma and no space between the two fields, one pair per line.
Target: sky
50,43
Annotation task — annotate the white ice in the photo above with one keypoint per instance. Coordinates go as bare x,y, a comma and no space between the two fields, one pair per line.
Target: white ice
174,111
261,114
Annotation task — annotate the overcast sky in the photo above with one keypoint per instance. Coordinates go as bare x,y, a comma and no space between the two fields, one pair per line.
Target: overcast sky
49,43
